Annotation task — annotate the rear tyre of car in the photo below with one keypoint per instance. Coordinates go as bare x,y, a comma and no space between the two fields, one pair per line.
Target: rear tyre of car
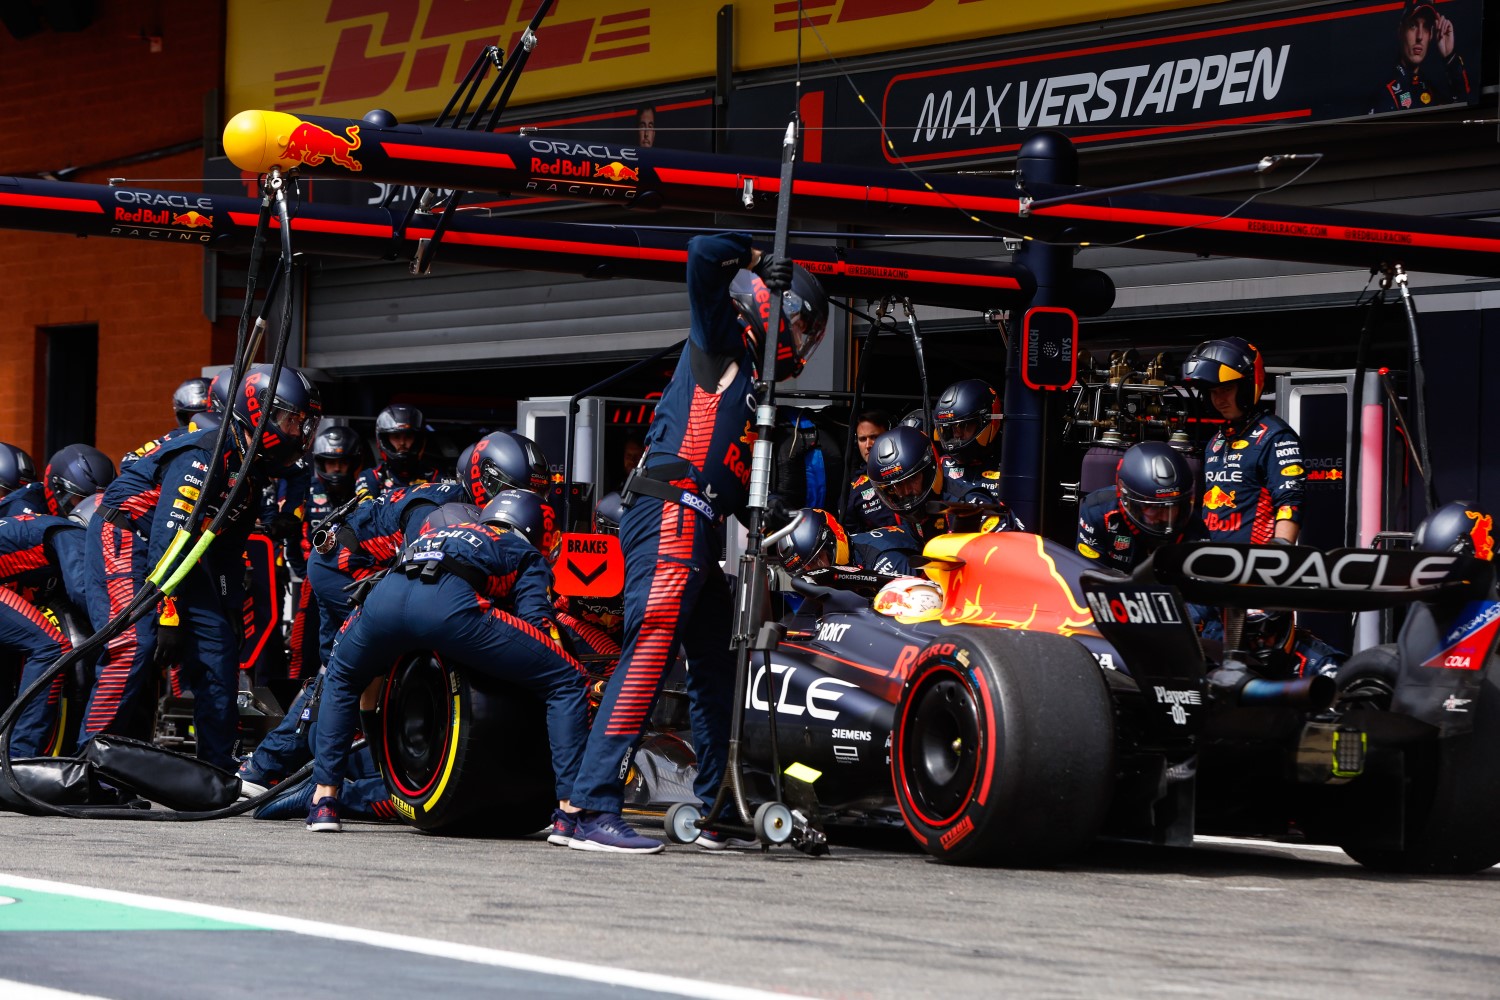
463,753
1452,800
1003,748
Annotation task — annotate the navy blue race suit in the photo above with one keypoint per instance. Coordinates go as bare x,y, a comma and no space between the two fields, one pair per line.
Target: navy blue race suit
41,559
139,515
864,510
886,550
131,457
29,499
698,450
1106,535
478,595
1409,88
1252,478
966,477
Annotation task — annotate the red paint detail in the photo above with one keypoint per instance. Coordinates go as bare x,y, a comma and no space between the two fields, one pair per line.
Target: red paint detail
299,88
989,747
292,105
621,34
630,50
903,796
407,151
860,10
456,17
563,44
810,110
352,74
427,68
51,204
293,74
628,15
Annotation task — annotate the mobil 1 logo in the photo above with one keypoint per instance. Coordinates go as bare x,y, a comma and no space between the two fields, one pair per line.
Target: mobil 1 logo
1135,607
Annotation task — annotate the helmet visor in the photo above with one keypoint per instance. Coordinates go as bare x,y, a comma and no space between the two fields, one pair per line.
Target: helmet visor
907,492
805,338
1161,518
954,434
297,426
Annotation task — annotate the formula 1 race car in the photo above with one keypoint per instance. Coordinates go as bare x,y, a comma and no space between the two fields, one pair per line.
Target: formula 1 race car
1046,704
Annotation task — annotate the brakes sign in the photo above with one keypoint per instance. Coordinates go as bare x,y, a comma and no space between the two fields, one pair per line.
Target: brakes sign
589,566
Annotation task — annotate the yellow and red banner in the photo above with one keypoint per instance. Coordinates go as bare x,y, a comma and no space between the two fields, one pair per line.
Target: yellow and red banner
344,57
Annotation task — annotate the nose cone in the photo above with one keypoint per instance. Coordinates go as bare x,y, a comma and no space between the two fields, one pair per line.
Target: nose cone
257,140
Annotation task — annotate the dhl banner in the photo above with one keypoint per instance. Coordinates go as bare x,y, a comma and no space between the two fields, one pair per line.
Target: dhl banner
344,57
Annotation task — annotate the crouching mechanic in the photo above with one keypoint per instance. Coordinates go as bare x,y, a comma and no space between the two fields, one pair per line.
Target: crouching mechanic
1150,505
695,473
477,593
199,626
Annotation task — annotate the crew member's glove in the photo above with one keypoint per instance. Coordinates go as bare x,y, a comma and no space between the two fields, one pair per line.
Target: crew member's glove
775,271
776,516
168,649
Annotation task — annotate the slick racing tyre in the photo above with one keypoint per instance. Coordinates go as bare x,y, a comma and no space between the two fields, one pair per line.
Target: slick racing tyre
462,752
1452,800
1003,748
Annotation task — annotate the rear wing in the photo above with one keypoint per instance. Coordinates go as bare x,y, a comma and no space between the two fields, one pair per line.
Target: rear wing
1303,579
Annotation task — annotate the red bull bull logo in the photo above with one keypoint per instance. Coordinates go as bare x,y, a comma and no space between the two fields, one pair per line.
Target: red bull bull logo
1481,533
193,220
617,172
1216,498
311,145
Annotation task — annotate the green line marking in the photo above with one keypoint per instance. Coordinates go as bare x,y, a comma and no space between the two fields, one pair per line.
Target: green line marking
29,910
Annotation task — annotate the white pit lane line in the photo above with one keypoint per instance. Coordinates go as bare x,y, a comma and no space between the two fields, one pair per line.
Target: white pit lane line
603,974
12,990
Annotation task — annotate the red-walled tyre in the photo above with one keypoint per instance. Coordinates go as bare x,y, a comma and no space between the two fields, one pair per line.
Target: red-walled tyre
1003,748
463,753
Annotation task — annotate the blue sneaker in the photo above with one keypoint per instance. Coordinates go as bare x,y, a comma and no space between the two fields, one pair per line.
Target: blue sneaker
560,833
292,802
713,840
602,831
253,781
323,816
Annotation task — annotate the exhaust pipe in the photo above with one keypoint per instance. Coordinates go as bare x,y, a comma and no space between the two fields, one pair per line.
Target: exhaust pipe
1236,686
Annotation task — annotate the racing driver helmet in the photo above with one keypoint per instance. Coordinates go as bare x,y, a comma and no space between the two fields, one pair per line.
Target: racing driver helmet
804,314
817,541
1457,527
1155,489
967,416
904,469
1230,359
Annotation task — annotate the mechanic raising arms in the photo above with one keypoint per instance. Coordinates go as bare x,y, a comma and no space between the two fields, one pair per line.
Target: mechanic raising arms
696,472
1252,468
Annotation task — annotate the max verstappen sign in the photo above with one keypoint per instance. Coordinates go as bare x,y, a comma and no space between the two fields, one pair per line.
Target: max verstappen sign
1333,62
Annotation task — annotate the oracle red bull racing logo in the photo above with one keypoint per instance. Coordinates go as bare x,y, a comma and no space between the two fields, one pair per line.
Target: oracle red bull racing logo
161,215
312,145
1216,498
586,170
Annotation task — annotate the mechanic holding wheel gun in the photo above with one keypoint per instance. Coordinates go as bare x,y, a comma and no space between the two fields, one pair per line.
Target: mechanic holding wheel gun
694,474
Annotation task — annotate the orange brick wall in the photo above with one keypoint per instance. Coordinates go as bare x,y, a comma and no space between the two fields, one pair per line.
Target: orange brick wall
72,100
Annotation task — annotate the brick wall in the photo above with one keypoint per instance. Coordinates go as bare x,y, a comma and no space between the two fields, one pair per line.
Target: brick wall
90,97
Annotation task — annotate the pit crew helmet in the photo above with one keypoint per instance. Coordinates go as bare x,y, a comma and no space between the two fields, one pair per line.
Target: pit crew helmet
525,512
16,468
1230,359
504,460
292,407
1155,489
84,512
967,416
817,541
608,513
400,418
74,474
916,418
904,469
1269,633
189,398
336,443
804,314
208,420
218,391
1457,527
440,517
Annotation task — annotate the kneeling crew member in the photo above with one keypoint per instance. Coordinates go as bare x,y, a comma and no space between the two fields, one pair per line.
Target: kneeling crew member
1151,504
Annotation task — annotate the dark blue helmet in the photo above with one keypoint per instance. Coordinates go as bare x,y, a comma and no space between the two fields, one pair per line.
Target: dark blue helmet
608,513
1457,527
189,398
208,420
84,512
525,512
75,473
804,314
1155,488
504,460
967,416
438,518
1231,360
903,468
335,456
16,468
818,540
293,406
401,418
218,391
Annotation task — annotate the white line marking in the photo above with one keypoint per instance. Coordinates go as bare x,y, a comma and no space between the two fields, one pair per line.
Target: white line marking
12,990
401,942
1278,845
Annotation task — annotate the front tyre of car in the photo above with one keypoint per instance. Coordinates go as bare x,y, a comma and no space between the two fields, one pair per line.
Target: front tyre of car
1003,748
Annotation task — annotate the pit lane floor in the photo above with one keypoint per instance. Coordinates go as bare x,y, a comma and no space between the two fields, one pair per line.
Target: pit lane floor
874,920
